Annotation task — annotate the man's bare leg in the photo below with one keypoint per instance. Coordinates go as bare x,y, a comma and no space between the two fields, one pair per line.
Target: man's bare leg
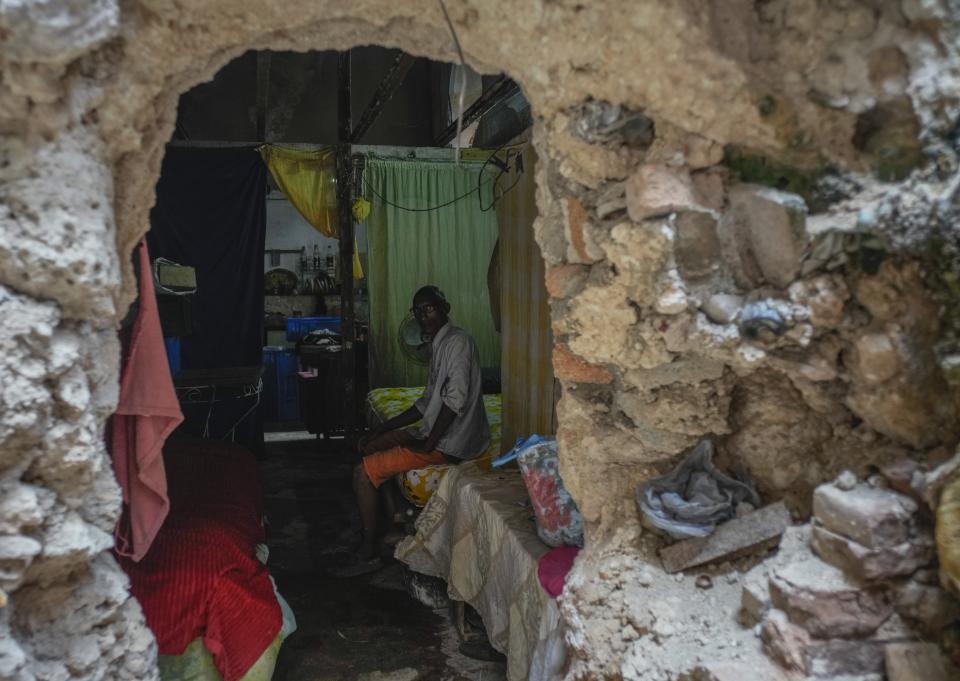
366,495
388,503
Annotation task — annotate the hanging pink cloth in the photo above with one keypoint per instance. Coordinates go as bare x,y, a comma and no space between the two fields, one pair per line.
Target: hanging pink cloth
147,413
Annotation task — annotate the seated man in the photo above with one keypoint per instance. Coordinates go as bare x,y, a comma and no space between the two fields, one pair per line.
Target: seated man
454,426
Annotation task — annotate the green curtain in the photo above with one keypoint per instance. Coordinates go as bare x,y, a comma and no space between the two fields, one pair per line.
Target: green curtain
449,247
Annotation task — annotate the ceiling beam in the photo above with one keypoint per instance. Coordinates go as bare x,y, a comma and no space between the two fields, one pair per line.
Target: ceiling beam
385,91
498,93
263,93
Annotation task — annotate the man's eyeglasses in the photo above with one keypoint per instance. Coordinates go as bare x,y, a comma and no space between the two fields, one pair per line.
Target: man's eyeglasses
423,309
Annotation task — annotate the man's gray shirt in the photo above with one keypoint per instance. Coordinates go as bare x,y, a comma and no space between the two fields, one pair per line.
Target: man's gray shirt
455,381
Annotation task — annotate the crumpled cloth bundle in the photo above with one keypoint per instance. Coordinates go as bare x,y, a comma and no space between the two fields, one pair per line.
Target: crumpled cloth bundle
693,498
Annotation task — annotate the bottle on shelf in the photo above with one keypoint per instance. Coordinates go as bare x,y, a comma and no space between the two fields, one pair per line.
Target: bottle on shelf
330,263
316,257
303,258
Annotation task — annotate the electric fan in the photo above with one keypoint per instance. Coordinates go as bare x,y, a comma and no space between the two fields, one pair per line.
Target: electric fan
414,346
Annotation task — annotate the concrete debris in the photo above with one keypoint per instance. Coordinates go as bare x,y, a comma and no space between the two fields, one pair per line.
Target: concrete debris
612,199
927,604
869,531
735,671
773,225
825,602
564,281
569,367
599,122
755,597
831,613
697,246
753,533
658,190
846,481
901,474
864,563
711,188
794,649
723,308
785,642
875,358
917,662
872,517
825,296
839,658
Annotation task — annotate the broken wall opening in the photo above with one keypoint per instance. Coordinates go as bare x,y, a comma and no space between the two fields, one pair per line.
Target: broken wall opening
365,156
96,101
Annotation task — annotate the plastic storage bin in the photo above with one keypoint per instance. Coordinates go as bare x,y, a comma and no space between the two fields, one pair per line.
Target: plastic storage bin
173,354
280,399
298,327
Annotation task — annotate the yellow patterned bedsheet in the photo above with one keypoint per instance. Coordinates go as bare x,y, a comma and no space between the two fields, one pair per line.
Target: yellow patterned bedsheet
418,485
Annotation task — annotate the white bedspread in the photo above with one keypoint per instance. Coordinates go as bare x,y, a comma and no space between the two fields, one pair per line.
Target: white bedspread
477,532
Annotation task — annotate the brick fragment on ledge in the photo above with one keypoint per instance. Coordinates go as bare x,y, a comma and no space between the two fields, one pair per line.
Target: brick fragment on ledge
569,367
563,281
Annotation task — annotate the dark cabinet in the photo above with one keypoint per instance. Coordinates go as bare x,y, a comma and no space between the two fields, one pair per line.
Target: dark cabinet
323,397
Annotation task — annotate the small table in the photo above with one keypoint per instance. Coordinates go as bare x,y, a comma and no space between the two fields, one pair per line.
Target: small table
217,386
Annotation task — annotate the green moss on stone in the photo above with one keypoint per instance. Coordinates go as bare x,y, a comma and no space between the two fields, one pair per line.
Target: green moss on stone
759,169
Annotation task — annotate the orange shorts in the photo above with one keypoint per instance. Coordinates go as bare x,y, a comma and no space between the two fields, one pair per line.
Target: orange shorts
383,465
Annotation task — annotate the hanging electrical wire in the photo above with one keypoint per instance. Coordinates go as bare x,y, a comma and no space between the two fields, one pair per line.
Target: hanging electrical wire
462,79
417,210
504,167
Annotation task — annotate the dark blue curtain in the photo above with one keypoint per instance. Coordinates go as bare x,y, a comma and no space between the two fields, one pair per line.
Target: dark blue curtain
211,214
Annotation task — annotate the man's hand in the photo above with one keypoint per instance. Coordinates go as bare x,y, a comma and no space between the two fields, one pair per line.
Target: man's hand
364,441
421,446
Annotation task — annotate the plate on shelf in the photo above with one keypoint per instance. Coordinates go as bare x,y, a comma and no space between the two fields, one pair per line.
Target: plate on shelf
280,282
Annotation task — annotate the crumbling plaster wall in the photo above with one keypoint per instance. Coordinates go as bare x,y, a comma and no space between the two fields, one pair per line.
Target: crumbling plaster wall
642,225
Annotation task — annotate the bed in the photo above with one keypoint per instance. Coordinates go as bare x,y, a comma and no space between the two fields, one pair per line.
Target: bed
418,485
479,535
204,586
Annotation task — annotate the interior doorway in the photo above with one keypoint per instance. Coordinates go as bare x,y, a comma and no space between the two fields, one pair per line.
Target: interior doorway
303,200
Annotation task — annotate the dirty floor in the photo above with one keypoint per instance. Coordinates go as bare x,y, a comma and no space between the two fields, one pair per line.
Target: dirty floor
357,629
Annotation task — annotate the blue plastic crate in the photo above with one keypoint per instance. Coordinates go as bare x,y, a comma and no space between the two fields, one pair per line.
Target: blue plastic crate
172,345
280,399
298,327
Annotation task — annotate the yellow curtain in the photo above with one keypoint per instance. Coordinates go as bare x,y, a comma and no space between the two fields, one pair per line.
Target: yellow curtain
309,180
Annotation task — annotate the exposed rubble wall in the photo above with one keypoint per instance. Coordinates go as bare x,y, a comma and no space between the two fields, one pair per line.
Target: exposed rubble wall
698,160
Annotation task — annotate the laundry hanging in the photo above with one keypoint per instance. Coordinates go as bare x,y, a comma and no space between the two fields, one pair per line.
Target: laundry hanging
309,179
147,412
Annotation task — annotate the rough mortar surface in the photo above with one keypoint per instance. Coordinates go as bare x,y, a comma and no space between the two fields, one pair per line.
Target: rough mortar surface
803,370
